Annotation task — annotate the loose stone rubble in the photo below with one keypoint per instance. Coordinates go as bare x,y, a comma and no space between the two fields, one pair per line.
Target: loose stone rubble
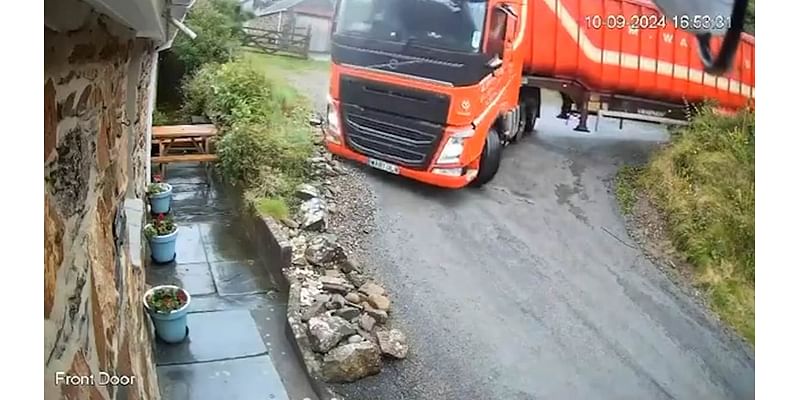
345,313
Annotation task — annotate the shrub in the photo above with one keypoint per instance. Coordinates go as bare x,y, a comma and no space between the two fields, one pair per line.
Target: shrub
236,93
218,34
265,142
704,183
273,207
251,154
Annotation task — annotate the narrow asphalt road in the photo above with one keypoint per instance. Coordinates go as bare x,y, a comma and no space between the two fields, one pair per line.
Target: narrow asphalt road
530,288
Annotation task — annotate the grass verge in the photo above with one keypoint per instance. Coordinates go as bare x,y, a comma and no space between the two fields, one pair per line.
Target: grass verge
626,187
273,207
703,185
269,62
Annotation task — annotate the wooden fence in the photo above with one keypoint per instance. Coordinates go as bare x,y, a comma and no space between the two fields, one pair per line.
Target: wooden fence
290,42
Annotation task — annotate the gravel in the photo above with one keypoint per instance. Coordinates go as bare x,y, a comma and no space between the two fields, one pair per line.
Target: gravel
355,211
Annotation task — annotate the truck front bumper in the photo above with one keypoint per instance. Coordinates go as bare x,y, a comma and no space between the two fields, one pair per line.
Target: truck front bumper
431,178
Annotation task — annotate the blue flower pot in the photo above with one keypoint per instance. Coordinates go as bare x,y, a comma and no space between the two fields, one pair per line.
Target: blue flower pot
160,202
162,248
170,327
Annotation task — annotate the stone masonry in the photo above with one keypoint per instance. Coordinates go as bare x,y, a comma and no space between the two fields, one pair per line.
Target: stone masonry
96,112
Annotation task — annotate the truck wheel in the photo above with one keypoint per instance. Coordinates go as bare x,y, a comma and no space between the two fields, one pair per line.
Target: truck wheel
521,123
490,159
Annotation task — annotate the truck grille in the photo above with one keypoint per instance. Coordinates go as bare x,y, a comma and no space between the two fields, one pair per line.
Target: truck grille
404,141
397,124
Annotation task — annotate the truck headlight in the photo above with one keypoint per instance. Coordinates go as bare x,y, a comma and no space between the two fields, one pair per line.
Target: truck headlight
451,153
332,133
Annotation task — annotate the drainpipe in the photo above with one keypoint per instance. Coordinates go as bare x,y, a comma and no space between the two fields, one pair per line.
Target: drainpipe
183,28
152,105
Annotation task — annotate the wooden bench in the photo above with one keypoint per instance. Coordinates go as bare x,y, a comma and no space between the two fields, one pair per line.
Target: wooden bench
184,143
184,158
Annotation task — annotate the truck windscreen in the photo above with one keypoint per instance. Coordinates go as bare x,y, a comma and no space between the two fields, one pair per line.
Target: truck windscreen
452,25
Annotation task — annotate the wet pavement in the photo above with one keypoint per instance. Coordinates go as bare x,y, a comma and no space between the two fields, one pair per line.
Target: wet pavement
237,346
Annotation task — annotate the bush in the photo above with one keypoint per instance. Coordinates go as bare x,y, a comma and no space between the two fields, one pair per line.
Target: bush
750,18
258,156
236,93
265,143
704,183
218,34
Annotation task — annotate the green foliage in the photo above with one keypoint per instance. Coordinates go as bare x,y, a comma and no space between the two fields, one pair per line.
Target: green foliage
160,226
266,142
266,157
626,187
275,64
167,299
156,188
273,207
218,27
160,118
237,93
168,117
704,182
750,18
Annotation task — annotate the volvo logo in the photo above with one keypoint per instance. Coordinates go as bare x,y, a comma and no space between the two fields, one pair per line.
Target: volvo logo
393,64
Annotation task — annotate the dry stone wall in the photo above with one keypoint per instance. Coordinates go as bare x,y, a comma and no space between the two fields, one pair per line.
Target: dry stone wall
96,104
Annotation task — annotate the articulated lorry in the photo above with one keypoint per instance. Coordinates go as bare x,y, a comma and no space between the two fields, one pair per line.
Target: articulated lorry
433,90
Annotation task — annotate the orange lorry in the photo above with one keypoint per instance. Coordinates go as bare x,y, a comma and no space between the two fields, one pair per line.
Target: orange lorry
433,90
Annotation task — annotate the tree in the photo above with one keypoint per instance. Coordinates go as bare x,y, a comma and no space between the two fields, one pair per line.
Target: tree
218,27
750,18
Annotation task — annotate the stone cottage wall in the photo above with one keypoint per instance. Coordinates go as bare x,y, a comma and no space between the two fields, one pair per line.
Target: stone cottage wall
96,111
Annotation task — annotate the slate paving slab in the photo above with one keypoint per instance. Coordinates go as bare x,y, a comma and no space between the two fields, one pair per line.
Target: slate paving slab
252,378
224,241
248,302
281,350
229,354
214,336
241,277
195,278
189,245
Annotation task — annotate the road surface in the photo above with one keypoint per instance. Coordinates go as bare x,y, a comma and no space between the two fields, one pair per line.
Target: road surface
530,288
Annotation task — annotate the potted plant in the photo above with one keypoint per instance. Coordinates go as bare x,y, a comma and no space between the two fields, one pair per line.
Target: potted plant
160,196
167,306
162,234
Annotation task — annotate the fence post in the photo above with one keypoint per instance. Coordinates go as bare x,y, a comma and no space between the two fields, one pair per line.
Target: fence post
307,44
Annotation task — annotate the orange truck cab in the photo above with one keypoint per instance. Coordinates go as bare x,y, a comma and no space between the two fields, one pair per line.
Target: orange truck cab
433,90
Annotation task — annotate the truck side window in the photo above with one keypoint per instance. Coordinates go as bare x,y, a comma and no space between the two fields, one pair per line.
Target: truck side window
497,33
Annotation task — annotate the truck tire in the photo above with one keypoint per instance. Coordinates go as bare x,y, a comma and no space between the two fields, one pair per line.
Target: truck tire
490,159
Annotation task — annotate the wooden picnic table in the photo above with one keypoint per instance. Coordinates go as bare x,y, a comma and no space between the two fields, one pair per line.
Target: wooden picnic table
184,143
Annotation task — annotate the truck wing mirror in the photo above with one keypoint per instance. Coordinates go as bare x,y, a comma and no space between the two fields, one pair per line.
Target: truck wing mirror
495,63
686,13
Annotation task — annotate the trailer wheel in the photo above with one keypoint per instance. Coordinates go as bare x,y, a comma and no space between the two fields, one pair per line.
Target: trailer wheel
490,159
